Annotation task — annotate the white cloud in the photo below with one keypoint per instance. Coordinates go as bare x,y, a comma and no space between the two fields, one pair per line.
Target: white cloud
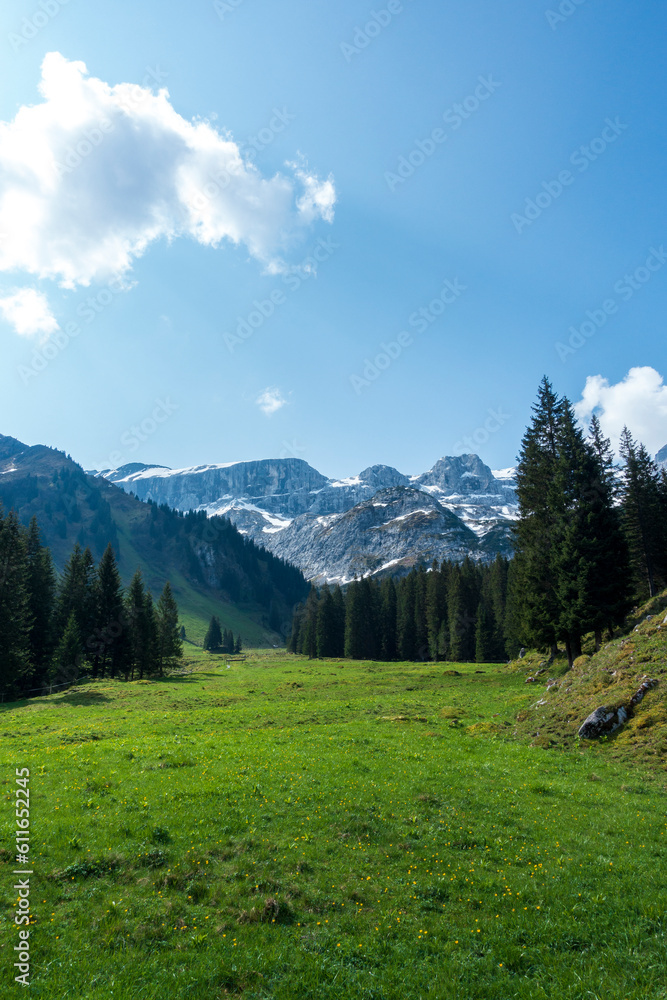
270,401
94,174
28,312
638,401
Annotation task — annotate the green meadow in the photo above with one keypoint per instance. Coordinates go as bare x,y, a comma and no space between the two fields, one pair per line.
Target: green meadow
328,829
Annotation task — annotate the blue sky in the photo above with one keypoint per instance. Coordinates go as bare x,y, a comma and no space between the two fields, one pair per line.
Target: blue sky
471,194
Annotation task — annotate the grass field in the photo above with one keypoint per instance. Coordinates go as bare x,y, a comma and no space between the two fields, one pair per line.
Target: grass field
294,829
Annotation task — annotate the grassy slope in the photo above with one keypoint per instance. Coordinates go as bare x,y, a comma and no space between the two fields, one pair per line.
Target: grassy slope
609,678
195,606
289,829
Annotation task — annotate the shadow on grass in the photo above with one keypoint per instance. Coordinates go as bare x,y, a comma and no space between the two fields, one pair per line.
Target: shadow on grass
83,698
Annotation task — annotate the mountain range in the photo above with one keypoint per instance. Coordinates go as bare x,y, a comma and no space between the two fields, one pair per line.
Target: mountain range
375,523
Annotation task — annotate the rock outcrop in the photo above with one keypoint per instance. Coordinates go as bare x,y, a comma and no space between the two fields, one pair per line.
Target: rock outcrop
397,529
604,721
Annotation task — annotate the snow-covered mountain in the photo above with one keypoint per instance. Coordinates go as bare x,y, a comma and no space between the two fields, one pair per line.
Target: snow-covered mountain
378,521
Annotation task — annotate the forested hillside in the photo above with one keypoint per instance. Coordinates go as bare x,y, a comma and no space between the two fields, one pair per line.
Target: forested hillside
55,628
212,567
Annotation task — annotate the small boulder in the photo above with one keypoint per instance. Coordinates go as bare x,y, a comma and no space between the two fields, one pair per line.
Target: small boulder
602,721
522,652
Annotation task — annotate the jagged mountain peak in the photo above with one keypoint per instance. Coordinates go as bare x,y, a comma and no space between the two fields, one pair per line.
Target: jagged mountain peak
459,474
382,476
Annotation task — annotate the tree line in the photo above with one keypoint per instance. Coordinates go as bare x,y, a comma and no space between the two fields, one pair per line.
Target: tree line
449,612
54,628
590,541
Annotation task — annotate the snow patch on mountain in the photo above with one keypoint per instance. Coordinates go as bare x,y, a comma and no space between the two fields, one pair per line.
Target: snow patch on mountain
297,513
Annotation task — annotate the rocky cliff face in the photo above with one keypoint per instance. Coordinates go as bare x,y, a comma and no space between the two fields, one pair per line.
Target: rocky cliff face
462,475
332,529
282,485
396,529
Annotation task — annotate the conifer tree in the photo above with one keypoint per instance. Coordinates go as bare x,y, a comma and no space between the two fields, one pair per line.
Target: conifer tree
151,645
643,515
15,616
388,613
456,616
213,638
111,639
238,645
512,624
355,624
535,531
483,635
41,585
339,611
422,649
370,605
405,631
308,637
140,614
75,594
169,644
436,612
68,656
326,624
609,579
294,639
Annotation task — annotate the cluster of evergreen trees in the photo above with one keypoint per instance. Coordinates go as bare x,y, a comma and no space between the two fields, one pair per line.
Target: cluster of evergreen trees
591,540
450,612
218,640
53,629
